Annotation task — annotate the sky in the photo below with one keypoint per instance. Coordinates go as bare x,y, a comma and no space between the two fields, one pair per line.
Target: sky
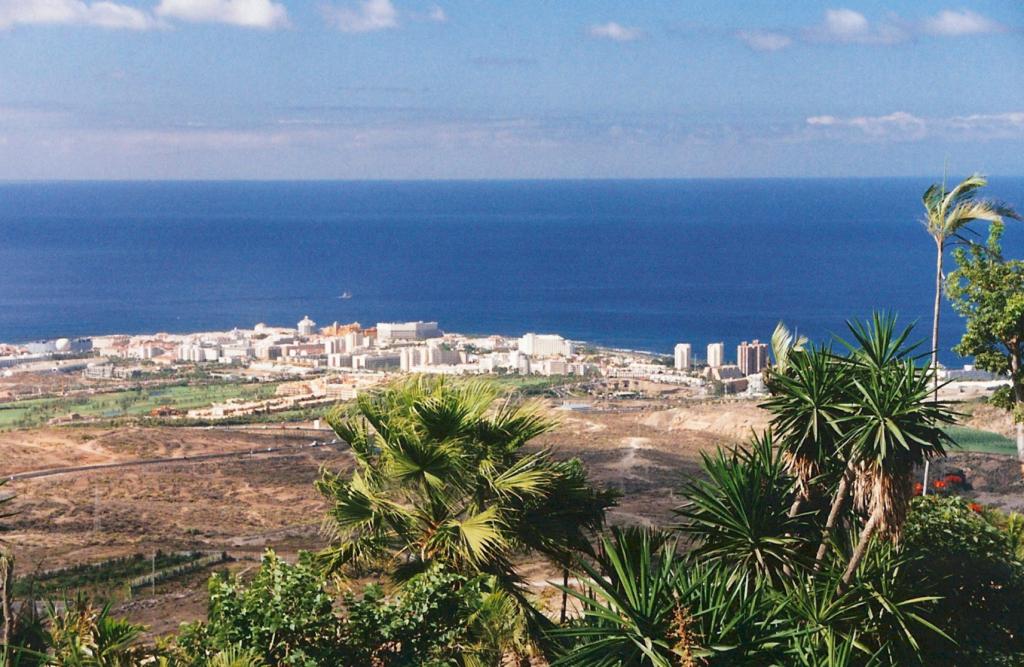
479,89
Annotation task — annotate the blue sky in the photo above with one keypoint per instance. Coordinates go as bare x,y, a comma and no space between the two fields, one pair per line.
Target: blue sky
480,89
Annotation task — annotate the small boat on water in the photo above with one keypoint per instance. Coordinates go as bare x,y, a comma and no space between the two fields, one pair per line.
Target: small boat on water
345,295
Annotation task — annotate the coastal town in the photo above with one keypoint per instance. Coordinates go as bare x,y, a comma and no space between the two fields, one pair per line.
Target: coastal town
321,365
311,366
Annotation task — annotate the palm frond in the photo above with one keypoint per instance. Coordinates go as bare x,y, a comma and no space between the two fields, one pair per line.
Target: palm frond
475,538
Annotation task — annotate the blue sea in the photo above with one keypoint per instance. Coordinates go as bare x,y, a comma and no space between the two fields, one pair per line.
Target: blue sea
636,264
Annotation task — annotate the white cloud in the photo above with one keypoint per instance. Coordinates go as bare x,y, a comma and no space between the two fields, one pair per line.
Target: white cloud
615,32
899,124
30,116
903,126
244,13
846,26
952,23
367,16
101,14
764,40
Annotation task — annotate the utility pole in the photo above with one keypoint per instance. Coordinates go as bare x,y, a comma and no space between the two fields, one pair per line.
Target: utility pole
96,509
6,608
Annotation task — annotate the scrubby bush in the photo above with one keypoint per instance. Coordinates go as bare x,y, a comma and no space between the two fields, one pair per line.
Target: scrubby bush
284,613
970,562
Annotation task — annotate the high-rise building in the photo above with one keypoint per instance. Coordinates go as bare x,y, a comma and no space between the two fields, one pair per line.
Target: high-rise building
716,354
684,356
752,357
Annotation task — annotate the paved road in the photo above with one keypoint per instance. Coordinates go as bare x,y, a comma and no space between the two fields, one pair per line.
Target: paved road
263,451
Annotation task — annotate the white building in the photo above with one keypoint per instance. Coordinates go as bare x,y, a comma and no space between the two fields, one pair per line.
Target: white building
391,332
683,356
377,362
716,354
198,353
239,352
306,326
353,341
339,360
545,345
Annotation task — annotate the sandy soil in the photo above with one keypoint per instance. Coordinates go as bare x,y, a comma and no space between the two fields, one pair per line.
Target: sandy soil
245,505
987,418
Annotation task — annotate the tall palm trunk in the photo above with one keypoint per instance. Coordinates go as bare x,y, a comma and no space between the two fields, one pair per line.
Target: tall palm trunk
833,515
939,247
862,547
935,312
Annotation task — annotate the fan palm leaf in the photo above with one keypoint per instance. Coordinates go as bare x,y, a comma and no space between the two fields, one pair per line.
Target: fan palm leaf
441,479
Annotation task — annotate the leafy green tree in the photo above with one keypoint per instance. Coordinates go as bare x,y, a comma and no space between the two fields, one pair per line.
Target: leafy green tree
988,290
438,619
285,616
442,480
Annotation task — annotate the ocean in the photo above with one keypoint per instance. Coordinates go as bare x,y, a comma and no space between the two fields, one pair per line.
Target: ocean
634,264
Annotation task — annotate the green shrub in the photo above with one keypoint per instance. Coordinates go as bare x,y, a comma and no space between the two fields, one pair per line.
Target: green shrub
971,564
425,625
284,614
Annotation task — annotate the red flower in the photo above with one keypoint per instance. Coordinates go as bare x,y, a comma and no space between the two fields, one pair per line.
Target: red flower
954,479
918,489
939,484
975,507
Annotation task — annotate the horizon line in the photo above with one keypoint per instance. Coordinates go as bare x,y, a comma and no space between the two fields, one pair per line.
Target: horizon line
578,179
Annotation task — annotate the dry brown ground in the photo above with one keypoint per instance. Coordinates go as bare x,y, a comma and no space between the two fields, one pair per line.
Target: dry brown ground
987,418
648,454
245,505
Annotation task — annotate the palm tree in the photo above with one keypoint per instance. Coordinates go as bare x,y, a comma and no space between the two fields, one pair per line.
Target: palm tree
645,606
887,428
807,401
783,344
739,516
88,636
441,479
947,216
236,656
891,429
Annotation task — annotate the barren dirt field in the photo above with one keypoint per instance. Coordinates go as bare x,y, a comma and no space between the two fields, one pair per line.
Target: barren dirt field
261,500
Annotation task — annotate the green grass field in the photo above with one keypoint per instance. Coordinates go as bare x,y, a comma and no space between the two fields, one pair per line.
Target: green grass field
132,403
531,384
975,440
